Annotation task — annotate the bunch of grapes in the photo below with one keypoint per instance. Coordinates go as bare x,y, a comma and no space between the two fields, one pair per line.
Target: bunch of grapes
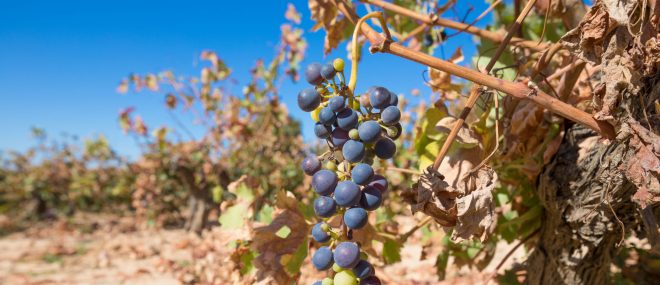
358,129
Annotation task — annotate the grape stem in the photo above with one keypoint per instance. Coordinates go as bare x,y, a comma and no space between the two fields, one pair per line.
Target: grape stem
515,89
354,52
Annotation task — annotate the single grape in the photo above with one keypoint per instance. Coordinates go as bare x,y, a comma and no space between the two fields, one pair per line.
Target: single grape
328,281
355,218
371,198
353,151
338,64
372,280
396,132
394,99
322,131
309,99
385,148
347,255
311,164
325,207
322,258
346,277
319,234
369,131
354,134
379,97
327,116
337,104
328,71
331,165
313,74
379,182
390,115
364,101
347,193
324,182
337,268
362,173
347,119
363,269
339,137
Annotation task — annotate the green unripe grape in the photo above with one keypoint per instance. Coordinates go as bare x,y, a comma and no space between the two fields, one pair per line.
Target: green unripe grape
353,134
338,64
327,281
325,227
331,165
355,104
346,277
337,268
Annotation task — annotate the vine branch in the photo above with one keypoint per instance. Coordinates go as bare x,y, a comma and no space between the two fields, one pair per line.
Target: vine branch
518,90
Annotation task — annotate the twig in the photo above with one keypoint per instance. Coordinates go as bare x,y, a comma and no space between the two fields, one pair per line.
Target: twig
475,93
496,101
416,31
436,21
518,90
483,14
354,63
404,237
403,170
523,241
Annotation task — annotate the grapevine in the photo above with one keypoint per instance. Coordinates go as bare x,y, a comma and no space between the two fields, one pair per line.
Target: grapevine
358,129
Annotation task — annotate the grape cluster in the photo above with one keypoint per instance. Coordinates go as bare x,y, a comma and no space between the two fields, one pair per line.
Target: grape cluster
358,129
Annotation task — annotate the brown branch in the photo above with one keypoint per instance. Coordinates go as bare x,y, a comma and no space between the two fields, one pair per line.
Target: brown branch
518,90
434,20
474,94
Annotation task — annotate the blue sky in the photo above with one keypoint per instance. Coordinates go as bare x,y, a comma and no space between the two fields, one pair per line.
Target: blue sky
60,61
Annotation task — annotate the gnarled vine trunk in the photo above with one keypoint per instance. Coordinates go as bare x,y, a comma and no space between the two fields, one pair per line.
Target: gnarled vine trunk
593,191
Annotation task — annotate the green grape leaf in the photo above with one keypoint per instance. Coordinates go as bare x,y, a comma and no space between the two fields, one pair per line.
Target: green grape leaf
391,251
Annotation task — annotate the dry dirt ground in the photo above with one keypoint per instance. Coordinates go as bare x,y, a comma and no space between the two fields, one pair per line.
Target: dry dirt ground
113,251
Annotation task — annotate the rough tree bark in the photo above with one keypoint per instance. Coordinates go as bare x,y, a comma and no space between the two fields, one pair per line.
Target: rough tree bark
594,191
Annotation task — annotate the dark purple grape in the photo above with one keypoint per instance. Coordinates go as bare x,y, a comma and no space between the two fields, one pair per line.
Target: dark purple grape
355,218
309,99
325,207
324,182
339,137
337,104
371,198
369,131
380,183
322,258
372,280
322,131
327,116
347,119
379,97
390,115
363,269
313,74
394,99
353,151
311,164
347,193
362,173
347,255
328,71
319,234
385,148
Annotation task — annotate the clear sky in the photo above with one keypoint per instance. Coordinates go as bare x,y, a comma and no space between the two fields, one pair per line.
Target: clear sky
60,61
